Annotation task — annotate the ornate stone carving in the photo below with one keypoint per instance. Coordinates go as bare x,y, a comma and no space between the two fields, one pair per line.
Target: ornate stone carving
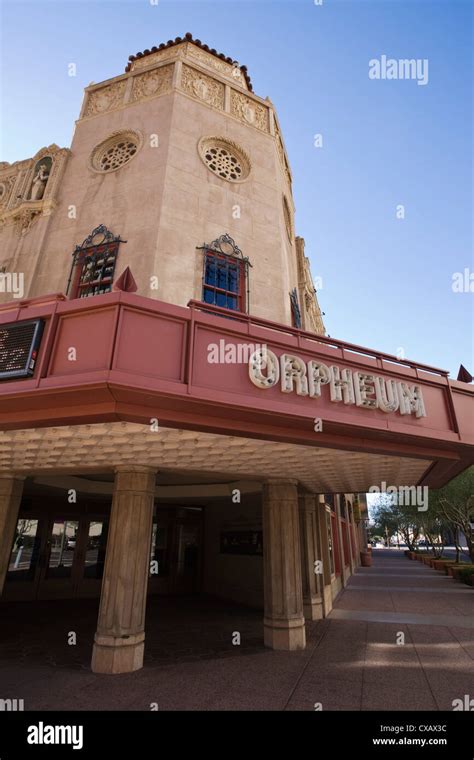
224,158
30,187
6,185
313,315
229,71
103,100
24,219
115,151
151,83
203,88
149,60
40,178
249,111
281,154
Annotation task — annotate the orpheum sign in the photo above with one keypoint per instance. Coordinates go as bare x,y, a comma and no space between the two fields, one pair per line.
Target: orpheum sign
19,343
307,378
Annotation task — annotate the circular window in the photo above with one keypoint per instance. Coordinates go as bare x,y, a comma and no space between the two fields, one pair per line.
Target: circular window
115,152
224,158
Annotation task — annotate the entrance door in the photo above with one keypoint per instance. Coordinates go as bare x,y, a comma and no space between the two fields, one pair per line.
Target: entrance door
92,545
24,566
187,569
58,571
57,558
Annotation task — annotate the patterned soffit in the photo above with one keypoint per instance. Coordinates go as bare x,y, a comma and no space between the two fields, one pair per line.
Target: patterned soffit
87,448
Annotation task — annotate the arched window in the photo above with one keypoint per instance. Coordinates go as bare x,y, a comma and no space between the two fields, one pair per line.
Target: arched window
225,275
93,264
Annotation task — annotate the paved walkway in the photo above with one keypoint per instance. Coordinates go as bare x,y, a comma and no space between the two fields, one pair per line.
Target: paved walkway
352,660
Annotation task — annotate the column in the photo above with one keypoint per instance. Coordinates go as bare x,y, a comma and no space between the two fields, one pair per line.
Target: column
283,621
120,638
11,489
324,528
340,527
311,560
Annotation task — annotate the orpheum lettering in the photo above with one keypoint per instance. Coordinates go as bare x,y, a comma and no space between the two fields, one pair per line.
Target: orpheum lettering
345,386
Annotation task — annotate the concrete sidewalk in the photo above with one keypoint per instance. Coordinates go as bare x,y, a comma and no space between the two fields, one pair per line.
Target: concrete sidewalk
352,660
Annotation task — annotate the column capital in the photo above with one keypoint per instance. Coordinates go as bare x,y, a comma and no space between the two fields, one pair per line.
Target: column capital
307,501
136,468
281,482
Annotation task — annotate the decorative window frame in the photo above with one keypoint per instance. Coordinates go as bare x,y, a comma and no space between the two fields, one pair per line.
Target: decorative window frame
111,139
91,248
229,145
225,247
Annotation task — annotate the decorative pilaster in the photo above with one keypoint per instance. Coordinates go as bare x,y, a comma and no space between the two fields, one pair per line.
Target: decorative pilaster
324,529
119,640
11,489
311,560
284,626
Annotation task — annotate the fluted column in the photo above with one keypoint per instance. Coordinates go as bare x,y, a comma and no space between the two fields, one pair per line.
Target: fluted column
311,560
120,637
284,620
11,489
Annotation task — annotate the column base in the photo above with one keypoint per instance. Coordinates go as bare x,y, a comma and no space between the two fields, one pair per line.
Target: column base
284,634
117,654
313,608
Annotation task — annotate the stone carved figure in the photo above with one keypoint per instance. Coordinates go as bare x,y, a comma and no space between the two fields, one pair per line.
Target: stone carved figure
39,182
201,89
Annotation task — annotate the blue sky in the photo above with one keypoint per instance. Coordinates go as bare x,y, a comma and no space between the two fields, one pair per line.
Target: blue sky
387,282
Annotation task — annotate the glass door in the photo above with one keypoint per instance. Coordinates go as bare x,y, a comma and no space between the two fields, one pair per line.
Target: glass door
92,545
58,559
188,555
24,567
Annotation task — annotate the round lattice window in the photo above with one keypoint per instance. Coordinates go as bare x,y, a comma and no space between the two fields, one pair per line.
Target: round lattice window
115,152
225,159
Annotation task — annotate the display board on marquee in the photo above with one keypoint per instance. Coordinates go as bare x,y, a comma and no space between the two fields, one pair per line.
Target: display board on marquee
19,344
307,378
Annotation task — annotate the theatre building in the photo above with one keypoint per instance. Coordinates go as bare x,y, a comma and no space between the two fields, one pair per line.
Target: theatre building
173,418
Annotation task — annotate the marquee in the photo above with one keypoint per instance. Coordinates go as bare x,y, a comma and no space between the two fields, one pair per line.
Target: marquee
363,389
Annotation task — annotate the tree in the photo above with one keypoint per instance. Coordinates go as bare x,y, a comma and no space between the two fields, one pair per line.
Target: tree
455,503
23,528
389,517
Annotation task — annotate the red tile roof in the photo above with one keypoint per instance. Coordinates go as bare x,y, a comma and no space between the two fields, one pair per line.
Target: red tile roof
188,37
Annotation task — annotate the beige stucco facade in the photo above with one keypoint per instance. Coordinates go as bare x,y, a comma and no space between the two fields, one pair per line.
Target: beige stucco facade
164,202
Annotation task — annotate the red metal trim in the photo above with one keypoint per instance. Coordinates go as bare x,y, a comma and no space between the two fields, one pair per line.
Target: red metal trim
333,342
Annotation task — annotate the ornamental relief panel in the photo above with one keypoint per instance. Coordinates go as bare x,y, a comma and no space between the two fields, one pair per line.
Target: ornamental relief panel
151,83
103,100
249,111
203,88
233,73
30,190
281,154
6,186
149,60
